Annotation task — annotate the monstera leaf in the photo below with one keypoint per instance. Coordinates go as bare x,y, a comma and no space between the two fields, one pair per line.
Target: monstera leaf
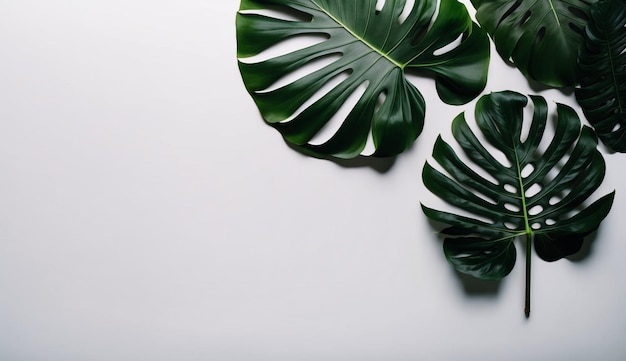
602,61
541,38
535,194
374,47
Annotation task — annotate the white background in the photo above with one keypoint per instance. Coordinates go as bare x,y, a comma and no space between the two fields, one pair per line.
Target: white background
148,213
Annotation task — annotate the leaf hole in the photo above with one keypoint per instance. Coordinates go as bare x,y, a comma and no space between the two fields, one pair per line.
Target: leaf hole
336,121
555,172
525,18
550,222
510,225
380,100
449,47
527,170
408,8
424,29
527,118
572,213
510,11
535,210
486,198
325,89
578,13
617,127
287,46
577,29
280,12
379,6
461,153
496,153
555,199
370,146
307,69
435,14
532,190
548,133
536,226
511,207
541,34
509,188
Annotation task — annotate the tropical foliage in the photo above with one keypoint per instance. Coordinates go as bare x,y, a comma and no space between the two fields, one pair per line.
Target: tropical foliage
374,47
602,92
541,38
536,194
541,195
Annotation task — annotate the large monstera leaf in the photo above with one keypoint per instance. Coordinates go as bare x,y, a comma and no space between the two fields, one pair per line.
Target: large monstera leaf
602,92
535,194
540,37
374,47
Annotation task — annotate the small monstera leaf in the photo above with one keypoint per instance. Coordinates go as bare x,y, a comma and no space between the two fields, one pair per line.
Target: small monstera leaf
374,47
541,38
602,61
535,194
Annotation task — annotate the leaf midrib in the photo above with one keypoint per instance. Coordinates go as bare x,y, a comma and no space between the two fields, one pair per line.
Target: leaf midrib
614,78
380,52
520,179
556,16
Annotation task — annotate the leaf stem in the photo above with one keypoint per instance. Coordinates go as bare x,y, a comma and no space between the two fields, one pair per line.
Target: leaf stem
529,233
529,246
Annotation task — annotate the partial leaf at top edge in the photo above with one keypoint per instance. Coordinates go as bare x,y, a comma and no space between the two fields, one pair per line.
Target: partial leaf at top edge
602,62
373,48
540,37
562,178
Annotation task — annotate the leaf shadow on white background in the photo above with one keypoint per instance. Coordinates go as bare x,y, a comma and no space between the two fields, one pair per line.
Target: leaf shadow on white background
477,287
536,86
380,164
472,287
586,250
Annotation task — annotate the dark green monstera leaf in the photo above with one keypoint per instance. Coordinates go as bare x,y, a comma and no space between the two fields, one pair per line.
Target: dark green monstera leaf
538,194
373,46
602,61
541,38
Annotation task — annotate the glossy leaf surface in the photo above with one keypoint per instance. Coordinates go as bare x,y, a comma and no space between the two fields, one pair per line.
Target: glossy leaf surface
541,194
541,38
602,92
370,47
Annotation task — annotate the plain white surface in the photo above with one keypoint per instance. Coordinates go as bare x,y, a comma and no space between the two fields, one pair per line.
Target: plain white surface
148,213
